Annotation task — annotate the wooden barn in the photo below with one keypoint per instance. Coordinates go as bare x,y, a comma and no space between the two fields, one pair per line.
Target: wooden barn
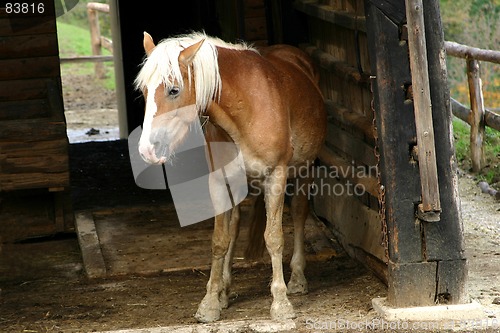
383,76
388,189
34,172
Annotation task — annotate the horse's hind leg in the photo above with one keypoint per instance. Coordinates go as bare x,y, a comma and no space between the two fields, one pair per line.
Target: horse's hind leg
234,228
210,307
281,308
299,211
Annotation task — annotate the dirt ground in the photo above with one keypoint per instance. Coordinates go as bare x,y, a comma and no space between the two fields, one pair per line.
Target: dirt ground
44,288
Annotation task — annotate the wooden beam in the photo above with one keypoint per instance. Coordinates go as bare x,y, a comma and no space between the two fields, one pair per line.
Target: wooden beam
467,52
339,68
351,120
368,183
430,207
444,241
101,7
491,119
477,126
396,133
86,59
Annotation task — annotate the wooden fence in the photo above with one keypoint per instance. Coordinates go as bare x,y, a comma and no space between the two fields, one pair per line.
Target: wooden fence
478,117
97,41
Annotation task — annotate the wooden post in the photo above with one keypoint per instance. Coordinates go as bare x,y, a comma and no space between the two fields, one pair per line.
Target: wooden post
426,260
477,115
95,39
430,207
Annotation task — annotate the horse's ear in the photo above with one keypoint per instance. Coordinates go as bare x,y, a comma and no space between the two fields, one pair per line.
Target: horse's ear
187,55
149,45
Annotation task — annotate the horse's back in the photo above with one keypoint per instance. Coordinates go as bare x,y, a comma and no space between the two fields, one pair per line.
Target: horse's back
304,101
290,55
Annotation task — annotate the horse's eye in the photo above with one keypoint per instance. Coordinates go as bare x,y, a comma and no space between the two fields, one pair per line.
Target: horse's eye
174,91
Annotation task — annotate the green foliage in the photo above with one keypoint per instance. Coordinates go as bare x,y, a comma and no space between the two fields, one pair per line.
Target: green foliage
78,17
475,23
75,41
491,171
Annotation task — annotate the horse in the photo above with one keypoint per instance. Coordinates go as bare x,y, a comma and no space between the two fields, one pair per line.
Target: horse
268,103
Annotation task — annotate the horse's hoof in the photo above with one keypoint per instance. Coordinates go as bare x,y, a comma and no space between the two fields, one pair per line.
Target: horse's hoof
297,287
208,312
282,310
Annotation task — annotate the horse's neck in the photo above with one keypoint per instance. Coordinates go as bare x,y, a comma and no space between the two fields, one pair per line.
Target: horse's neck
220,126
214,133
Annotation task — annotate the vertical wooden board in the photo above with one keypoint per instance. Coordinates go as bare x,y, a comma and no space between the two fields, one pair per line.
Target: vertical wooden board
444,240
412,284
363,50
396,132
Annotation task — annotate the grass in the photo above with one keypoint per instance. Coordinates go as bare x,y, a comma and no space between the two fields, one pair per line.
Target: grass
75,41
491,170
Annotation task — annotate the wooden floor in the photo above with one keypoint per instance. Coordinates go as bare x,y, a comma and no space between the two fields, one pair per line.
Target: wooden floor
145,240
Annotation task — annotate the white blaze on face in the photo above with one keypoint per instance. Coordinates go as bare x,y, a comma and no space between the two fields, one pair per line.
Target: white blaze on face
146,148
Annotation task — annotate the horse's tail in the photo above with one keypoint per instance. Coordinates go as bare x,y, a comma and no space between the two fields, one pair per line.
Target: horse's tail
256,243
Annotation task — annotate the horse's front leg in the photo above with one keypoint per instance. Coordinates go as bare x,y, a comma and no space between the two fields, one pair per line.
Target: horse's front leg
210,307
275,185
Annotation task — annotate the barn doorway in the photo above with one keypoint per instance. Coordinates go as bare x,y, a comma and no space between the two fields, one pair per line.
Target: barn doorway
87,72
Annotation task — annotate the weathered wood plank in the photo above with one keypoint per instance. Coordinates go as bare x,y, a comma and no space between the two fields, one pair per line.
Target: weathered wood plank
28,46
29,68
339,68
347,171
27,109
16,130
20,181
23,90
93,260
351,120
355,147
430,207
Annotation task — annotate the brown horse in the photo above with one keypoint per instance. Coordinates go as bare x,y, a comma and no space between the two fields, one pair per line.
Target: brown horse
265,101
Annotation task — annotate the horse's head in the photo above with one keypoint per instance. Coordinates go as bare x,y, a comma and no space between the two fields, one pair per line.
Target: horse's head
171,102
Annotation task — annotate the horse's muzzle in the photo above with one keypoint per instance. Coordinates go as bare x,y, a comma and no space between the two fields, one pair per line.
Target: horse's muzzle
148,154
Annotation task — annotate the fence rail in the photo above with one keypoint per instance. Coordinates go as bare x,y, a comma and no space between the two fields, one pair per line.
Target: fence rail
478,117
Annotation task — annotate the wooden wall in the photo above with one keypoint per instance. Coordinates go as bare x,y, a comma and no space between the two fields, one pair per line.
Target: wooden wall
243,20
362,48
33,141
338,44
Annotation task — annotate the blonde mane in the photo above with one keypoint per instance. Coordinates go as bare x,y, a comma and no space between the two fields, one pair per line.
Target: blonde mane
162,66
